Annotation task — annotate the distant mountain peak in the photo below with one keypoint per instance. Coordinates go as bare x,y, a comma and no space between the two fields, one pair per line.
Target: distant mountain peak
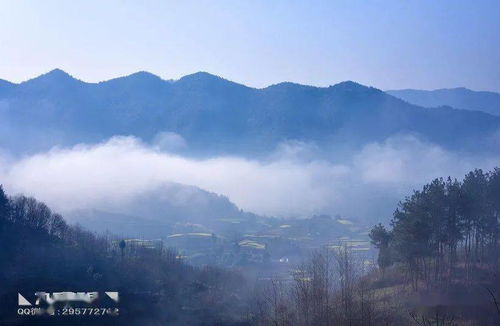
144,75
141,77
351,86
289,85
58,71
205,78
56,75
348,84
201,76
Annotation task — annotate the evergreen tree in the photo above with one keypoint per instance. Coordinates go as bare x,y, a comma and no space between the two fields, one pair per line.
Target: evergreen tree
380,238
446,227
4,207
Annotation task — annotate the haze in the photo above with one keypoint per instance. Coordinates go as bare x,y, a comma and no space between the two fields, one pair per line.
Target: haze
387,44
293,183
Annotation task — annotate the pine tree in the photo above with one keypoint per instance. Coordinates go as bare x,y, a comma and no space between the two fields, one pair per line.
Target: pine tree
380,238
4,207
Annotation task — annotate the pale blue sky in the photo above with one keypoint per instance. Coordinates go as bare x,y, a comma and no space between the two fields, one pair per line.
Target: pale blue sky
387,43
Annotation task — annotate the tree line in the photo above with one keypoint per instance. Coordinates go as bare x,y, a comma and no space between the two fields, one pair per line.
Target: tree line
437,266
40,251
446,232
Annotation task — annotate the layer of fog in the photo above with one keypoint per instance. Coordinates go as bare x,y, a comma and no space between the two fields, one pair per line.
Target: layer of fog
292,183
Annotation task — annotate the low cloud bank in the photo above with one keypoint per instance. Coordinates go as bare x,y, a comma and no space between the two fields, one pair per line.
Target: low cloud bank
366,185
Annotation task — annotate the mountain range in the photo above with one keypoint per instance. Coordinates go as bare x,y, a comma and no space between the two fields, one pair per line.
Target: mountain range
216,116
460,98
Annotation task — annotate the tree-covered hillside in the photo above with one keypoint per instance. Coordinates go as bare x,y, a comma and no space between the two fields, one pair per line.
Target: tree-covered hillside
41,252
217,116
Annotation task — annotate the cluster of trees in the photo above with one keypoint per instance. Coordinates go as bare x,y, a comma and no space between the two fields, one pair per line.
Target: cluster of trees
39,251
449,231
28,212
444,241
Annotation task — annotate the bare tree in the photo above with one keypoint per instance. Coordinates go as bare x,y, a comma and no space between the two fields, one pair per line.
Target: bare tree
277,298
438,319
495,300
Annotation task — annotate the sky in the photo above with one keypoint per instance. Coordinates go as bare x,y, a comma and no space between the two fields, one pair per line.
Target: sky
389,44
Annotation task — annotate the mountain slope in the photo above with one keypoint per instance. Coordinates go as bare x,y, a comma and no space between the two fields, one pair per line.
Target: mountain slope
217,116
161,211
460,98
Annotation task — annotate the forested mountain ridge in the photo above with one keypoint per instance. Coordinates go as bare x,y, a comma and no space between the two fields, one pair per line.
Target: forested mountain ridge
217,116
156,213
460,98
